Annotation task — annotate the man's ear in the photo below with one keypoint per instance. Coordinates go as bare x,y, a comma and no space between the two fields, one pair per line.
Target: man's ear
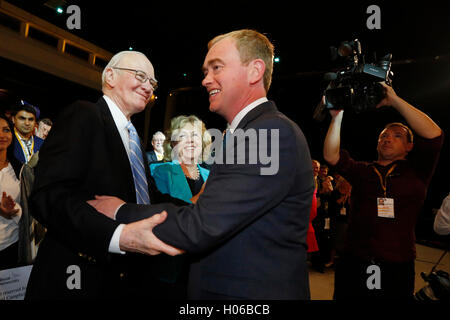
257,68
110,77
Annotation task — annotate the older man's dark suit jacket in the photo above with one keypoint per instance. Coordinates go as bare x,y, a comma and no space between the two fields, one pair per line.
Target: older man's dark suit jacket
83,156
247,231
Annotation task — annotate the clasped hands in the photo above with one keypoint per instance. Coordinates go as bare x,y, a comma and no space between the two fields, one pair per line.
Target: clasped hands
137,236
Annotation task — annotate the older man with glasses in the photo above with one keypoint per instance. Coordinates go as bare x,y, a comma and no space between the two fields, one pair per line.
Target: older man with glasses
141,76
94,150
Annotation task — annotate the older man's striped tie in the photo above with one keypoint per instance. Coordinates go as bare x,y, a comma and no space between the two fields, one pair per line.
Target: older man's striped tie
137,166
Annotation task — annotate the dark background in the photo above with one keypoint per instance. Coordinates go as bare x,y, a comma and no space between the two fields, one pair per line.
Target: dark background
175,35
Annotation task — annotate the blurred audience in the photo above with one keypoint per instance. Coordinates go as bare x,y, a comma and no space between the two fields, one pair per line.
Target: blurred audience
325,181
311,239
44,126
10,210
24,141
339,209
323,220
157,154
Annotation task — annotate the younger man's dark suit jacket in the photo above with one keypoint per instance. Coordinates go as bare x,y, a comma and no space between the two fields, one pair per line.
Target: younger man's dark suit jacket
247,231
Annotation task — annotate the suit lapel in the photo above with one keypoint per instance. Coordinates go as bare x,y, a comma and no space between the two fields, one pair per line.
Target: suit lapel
18,152
265,107
147,169
153,156
114,142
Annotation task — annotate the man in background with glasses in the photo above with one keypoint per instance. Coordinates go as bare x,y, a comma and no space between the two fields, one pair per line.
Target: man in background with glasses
94,149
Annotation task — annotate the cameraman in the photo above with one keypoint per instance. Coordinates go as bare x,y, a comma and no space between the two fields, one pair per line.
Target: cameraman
386,200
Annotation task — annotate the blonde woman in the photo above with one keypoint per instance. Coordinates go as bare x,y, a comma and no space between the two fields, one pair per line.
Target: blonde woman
186,147
181,177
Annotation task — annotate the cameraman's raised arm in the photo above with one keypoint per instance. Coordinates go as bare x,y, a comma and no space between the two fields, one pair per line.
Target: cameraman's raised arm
418,121
332,144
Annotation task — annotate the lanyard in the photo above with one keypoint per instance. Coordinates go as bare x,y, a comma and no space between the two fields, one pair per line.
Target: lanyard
384,182
28,153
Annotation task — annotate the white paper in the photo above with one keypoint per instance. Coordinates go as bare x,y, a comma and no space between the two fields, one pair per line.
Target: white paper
13,283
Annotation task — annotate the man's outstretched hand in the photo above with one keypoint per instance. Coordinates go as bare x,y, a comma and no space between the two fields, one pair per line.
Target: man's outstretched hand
138,237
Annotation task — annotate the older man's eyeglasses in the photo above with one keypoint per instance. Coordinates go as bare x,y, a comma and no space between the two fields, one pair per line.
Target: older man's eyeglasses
141,76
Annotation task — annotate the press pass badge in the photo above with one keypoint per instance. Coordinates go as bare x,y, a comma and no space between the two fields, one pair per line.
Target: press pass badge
343,211
385,207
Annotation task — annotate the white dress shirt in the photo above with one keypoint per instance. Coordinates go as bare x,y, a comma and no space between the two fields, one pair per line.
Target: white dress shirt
237,119
121,122
159,155
9,228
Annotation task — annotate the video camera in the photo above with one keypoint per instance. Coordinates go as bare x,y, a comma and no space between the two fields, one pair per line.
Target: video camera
438,287
357,85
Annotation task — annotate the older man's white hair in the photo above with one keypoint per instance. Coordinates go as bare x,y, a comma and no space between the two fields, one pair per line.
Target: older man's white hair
158,133
115,60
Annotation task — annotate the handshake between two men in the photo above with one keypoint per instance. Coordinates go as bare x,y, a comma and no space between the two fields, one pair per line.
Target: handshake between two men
137,236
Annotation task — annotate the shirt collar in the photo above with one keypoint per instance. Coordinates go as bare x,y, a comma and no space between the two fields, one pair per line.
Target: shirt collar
29,140
237,119
117,114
